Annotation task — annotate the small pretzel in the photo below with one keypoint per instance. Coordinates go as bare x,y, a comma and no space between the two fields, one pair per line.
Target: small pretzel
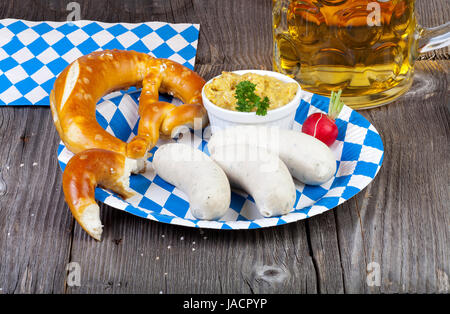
83,173
81,85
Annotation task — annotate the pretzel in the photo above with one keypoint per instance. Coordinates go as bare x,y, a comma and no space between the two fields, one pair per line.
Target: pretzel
81,85
102,159
81,176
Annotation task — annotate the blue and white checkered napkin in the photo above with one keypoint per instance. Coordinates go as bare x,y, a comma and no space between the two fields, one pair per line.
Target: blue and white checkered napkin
358,151
32,54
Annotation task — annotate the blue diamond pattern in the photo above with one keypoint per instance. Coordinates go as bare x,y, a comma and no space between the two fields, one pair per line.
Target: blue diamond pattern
166,32
42,28
13,46
142,30
61,42
190,34
17,27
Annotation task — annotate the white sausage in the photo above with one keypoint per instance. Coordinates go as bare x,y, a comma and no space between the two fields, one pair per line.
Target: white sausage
197,175
307,158
261,174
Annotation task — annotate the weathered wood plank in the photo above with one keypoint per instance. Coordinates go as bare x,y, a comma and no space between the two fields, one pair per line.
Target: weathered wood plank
404,214
400,221
137,255
325,252
35,227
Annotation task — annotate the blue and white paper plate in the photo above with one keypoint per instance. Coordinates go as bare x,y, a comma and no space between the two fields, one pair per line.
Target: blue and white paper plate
358,151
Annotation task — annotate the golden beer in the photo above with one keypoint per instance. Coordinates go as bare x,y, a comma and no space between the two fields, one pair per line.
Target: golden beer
366,48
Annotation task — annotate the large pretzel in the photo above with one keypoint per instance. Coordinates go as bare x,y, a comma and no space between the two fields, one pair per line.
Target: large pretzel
79,87
102,159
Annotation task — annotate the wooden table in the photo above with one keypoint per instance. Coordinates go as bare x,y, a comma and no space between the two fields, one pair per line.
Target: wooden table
400,221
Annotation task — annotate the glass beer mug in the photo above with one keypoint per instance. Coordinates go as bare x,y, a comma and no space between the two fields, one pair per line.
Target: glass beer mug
367,48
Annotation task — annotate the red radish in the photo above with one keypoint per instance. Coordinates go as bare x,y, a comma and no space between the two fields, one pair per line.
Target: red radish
323,126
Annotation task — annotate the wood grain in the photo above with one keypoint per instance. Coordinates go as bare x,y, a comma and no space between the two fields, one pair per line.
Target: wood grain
405,216
400,221
35,226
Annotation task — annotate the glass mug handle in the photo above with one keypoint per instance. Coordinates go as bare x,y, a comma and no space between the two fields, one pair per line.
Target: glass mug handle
434,38
281,37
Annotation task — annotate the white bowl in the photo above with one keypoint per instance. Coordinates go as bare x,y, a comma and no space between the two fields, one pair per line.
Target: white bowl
282,117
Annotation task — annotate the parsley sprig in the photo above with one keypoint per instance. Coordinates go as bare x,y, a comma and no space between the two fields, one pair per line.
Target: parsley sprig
247,100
